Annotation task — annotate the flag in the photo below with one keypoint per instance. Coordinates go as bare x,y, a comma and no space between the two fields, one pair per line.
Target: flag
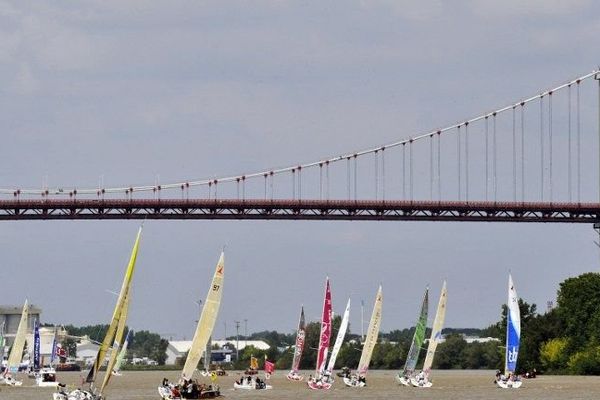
269,368
213,376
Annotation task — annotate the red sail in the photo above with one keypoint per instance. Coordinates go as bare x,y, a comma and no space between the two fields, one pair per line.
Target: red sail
299,343
325,331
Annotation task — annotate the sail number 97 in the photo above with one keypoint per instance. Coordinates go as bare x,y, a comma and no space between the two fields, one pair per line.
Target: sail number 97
216,288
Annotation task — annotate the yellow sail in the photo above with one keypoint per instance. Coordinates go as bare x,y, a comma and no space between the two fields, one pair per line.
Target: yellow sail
372,333
253,362
436,330
207,320
16,353
121,301
118,342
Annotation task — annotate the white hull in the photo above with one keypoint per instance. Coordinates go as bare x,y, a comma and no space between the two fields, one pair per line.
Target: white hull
74,395
319,385
420,383
293,376
510,384
10,381
251,386
403,380
353,382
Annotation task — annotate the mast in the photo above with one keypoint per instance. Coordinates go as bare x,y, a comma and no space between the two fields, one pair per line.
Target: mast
372,334
436,330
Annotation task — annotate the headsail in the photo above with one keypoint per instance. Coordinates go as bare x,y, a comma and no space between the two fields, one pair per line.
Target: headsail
207,320
418,337
436,330
118,341
372,334
16,352
208,354
123,352
117,313
339,339
299,342
325,331
2,344
513,328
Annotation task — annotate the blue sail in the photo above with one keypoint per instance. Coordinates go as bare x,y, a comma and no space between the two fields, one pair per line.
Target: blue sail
513,328
36,345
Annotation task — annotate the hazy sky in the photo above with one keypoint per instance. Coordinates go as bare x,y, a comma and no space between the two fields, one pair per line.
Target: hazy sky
129,90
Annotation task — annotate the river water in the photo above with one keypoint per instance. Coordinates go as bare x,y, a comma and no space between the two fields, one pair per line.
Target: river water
381,385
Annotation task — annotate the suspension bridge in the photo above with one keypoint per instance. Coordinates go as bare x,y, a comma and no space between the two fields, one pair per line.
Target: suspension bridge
534,160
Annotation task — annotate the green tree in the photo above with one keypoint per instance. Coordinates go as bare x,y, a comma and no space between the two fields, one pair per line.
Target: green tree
449,354
553,355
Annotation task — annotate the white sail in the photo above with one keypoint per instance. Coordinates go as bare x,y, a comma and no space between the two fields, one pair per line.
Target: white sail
436,330
339,339
16,353
207,320
372,334
513,328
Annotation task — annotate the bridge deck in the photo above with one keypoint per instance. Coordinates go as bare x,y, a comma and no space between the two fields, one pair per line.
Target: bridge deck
112,209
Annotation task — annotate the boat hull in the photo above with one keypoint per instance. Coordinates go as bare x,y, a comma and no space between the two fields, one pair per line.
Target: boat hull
167,393
319,385
293,376
420,383
510,384
350,382
403,380
251,386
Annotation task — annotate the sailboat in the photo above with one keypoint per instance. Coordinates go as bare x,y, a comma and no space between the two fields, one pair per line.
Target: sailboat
189,389
2,345
513,338
255,383
114,332
417,342
317,382
122,353
253,368
16,352
44,376
422,379
327,376
359,379
207,358
298,348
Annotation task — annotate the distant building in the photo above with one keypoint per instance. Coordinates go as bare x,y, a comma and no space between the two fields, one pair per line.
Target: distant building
177,349
10,316
86,351
472,339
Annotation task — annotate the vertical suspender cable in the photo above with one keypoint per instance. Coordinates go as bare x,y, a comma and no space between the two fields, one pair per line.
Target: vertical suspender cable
431,167
272,185
439,168
403,171
597,77
410,151
569,172
299,183
523,151
578,143
514,155
542,148
320,181
355,178
266,177
467,161
458,161
376,156
294,183
495,157
550,143
383,173
327,176
487,174
348,175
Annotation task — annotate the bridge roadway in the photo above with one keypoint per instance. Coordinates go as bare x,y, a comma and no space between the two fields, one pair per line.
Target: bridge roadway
259,209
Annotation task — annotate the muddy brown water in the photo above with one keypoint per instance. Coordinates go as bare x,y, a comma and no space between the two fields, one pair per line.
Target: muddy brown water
381,385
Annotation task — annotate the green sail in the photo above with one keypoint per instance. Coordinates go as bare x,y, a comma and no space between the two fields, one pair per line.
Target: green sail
418,338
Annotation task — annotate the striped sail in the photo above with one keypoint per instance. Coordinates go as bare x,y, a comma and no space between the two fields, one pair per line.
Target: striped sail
16,352
325,331
299,342
372,334
418,337
513,328
436,330
339,339
122,353
117,314
207,320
